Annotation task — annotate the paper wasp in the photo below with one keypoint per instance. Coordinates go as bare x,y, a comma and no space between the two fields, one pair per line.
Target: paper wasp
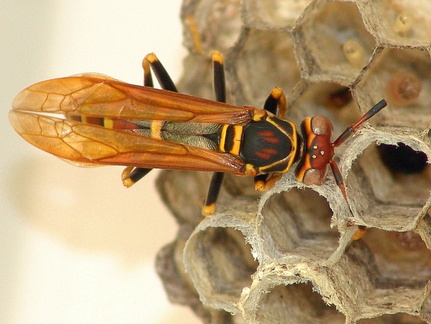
94,119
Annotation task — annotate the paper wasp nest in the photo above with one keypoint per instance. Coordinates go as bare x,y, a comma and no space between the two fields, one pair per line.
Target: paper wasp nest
286,256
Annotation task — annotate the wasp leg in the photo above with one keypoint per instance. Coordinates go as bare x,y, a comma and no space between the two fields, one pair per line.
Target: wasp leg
263,182
151,60
218,76
193,28
213,192
339,181
220,94
276,102
131,175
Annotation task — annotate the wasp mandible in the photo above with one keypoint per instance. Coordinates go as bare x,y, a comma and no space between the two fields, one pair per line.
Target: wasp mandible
97,120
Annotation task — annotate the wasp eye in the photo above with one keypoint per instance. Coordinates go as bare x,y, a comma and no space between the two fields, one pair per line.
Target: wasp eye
320,125
312,177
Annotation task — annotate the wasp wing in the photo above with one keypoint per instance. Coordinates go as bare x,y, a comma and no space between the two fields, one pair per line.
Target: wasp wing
84,144
40,115
98,95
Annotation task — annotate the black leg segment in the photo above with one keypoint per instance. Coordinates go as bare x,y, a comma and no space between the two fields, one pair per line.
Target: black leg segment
218,76
213,192
220,94
131,175
276,103
159,70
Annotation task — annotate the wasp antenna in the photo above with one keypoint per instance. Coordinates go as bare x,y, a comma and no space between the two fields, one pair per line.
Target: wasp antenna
352,128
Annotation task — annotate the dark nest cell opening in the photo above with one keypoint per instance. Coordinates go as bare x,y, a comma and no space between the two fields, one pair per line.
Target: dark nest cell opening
402,158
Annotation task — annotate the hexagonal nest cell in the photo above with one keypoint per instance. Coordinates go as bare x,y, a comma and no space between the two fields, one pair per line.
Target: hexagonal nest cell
287,255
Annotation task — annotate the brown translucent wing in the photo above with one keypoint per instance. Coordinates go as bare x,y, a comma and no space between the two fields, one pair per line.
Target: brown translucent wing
102,96
34,117
84,144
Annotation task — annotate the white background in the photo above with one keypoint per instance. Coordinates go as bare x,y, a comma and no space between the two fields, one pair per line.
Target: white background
75,245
